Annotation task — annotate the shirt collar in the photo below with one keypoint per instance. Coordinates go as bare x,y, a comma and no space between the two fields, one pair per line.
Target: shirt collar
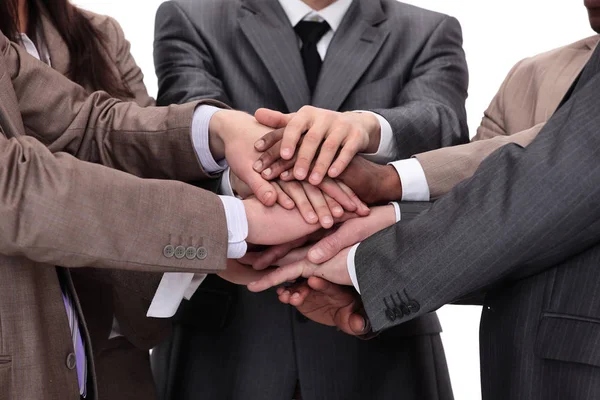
297,10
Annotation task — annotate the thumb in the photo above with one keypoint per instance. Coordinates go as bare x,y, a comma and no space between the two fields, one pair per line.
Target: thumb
262,189
271,118
330,246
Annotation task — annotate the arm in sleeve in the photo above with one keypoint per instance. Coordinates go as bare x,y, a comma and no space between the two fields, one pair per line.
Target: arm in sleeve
430,111
184,65
521,213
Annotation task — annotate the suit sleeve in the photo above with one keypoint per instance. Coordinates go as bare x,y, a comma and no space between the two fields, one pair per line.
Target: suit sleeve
184,65
151,142
446,167
430,111
58,210
522,212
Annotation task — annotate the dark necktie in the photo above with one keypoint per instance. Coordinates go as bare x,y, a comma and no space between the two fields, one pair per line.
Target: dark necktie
310,33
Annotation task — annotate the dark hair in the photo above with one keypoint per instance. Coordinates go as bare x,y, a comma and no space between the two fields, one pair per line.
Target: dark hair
87,45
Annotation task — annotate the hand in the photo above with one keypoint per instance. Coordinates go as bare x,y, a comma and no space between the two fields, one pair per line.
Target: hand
327,131
352,232
232,136
334,270
373,183
240,188
317,206
328,304
239,274
276,225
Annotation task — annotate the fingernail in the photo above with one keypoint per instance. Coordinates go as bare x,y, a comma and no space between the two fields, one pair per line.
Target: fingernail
286,152
286,293
333,171
268,172
268,195
295,295
317,254
327,220
252,284
260,144
257,165
338,210
285,174
312,216
301,173
315,177
364,325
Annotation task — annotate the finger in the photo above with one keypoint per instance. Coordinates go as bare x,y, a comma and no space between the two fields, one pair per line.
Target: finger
261,188
298,195
299,295
361,208
282,198
281,275
334,207
308,149
278,167
280,291
284,297
269,140
287,176
291,136
293,257
250,258
319,204
342,196
268,157
327,153
272,118
330,246
275,253
349,150
358,324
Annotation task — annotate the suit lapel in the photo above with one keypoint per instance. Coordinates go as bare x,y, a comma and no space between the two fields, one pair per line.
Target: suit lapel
353,48
267,28
57,48
10,118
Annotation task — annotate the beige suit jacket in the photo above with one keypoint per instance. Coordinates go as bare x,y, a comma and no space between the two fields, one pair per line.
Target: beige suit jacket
59,207
526,100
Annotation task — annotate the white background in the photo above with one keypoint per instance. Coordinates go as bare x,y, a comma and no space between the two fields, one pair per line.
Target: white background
497,34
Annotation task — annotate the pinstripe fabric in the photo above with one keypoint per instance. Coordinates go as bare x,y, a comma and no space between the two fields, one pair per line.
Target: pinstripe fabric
526,229
404,62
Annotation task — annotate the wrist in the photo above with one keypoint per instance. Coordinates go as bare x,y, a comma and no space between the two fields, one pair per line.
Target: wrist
390,188
373,128
217,131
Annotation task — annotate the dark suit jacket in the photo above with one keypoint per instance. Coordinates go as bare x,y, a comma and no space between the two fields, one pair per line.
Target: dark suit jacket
401,61
525,228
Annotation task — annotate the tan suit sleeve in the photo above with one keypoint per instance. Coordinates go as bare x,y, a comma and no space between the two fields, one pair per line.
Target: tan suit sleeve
446,167
152,142
58,210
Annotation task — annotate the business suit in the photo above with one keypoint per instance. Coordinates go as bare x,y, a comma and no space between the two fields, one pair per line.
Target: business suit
526,229
402,62
527,98
108,294
60,208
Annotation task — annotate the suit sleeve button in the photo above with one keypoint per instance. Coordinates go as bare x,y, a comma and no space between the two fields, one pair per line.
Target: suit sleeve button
390,314
190,253
71,361
202,253
169,251
179,252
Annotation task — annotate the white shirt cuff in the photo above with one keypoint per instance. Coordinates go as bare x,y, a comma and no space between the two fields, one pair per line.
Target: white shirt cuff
237,226
397,211
200,138
386,151
352,267
225,187
171,291
414,182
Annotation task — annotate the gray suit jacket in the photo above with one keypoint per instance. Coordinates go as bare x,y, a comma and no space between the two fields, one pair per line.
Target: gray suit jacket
525,228
400,61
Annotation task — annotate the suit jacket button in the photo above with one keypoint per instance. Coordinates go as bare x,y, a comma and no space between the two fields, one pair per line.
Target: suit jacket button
179,252
202,253
414,306
71,361
169,251
390,314
190,253
404,309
